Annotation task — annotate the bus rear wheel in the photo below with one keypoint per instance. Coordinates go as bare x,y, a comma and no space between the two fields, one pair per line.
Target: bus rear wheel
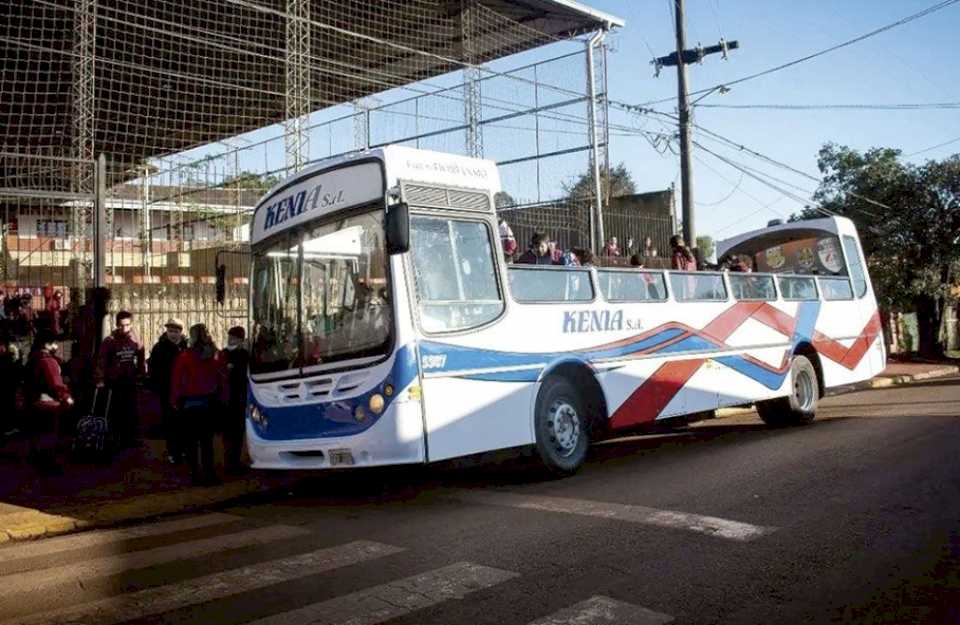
798,408
561,426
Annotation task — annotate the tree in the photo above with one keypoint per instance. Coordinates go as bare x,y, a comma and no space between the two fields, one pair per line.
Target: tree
618,183
502,199
705,245
250,180
908,217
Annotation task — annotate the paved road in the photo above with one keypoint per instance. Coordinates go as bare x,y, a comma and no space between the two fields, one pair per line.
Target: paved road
855,519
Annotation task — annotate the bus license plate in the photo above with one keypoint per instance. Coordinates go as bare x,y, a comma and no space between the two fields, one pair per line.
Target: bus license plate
340,457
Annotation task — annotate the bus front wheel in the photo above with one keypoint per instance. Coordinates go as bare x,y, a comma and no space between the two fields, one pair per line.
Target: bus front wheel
561,426
800,407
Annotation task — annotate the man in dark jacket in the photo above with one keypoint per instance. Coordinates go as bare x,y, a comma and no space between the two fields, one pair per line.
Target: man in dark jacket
238,359
120,365
170,344
538,253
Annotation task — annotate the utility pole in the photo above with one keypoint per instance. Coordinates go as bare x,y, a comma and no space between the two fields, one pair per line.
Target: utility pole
681,58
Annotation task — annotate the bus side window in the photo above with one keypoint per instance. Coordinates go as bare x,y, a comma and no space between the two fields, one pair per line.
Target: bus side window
752,287
698,287
835,288
530,285
798,288
632,286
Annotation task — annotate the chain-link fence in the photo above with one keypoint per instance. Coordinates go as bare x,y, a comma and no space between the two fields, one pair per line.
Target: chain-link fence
199,107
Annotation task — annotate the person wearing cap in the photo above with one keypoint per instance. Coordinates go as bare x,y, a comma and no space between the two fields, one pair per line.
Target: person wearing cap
238,359
170,345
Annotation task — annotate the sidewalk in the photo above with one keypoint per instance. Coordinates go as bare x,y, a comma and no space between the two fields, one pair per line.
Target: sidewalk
137,484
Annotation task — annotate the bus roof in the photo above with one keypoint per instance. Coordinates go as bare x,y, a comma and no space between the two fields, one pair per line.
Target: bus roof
774,235
343,182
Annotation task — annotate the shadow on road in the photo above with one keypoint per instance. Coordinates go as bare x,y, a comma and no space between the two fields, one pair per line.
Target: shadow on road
521,466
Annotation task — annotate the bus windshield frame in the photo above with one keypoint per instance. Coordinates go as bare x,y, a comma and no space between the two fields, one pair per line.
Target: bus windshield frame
339,291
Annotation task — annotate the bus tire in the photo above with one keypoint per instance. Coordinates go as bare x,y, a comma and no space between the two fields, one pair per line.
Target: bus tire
561,426
798,408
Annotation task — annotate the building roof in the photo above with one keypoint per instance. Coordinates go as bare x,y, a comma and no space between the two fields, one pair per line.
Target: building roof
173,74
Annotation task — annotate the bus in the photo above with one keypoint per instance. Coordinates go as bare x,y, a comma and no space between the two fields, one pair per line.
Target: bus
388,329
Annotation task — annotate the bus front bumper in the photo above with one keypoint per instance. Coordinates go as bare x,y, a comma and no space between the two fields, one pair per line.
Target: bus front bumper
396,438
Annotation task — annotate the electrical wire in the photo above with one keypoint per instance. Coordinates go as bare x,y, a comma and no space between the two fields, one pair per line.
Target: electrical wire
933,147
855,107
906,20
790,195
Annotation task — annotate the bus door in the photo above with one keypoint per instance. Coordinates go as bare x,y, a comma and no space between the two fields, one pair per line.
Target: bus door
458,298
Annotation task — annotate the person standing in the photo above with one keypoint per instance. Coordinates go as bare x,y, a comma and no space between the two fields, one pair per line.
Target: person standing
197,389
120,365
238,360
164,353
10,376
48,398
682,258
538,253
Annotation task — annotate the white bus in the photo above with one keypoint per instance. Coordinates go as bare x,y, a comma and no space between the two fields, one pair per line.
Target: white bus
386,327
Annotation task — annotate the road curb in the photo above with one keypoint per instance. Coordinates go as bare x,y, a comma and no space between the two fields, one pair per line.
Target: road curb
30,524
879,382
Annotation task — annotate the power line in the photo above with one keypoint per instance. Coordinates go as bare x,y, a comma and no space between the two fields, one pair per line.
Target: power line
933,147
906,20
789,194
814,107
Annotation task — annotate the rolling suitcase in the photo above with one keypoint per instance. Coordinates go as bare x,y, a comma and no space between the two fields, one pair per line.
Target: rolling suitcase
91,442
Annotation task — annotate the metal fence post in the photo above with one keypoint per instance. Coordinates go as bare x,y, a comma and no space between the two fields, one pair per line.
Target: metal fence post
596,239
100,234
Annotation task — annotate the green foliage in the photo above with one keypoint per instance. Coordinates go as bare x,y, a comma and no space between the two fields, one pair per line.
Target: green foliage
705,245
618,183
250,180
908,217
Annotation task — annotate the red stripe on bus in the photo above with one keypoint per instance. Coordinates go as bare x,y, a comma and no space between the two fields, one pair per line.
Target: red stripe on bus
647,402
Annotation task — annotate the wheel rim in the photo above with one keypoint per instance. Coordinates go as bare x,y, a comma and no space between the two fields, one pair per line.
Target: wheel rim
563,426
803,390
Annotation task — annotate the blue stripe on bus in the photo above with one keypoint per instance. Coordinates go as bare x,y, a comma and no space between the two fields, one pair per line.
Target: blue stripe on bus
335,418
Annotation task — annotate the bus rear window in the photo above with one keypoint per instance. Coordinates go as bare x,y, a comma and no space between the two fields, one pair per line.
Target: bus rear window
633,286
746,286
529,285
698,287
798,288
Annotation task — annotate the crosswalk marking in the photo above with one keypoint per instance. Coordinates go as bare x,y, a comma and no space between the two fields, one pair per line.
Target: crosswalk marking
14,584
387,601
153,601
50,546
602,610
712,526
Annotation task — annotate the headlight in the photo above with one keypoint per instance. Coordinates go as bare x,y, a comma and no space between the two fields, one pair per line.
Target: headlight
376,403
257,416
359,413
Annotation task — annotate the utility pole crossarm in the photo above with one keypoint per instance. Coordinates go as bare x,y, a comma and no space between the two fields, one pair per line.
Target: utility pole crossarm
696,55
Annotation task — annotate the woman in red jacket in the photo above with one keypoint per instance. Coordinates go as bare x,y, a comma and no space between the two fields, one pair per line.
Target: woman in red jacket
48,399
197,390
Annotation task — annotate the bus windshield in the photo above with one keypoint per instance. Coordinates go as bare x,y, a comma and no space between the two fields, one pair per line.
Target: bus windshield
321,295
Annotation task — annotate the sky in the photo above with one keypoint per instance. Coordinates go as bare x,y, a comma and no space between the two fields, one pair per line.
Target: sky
914,63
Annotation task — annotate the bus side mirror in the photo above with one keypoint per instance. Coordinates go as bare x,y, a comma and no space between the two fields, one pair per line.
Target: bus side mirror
221,283
398,228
